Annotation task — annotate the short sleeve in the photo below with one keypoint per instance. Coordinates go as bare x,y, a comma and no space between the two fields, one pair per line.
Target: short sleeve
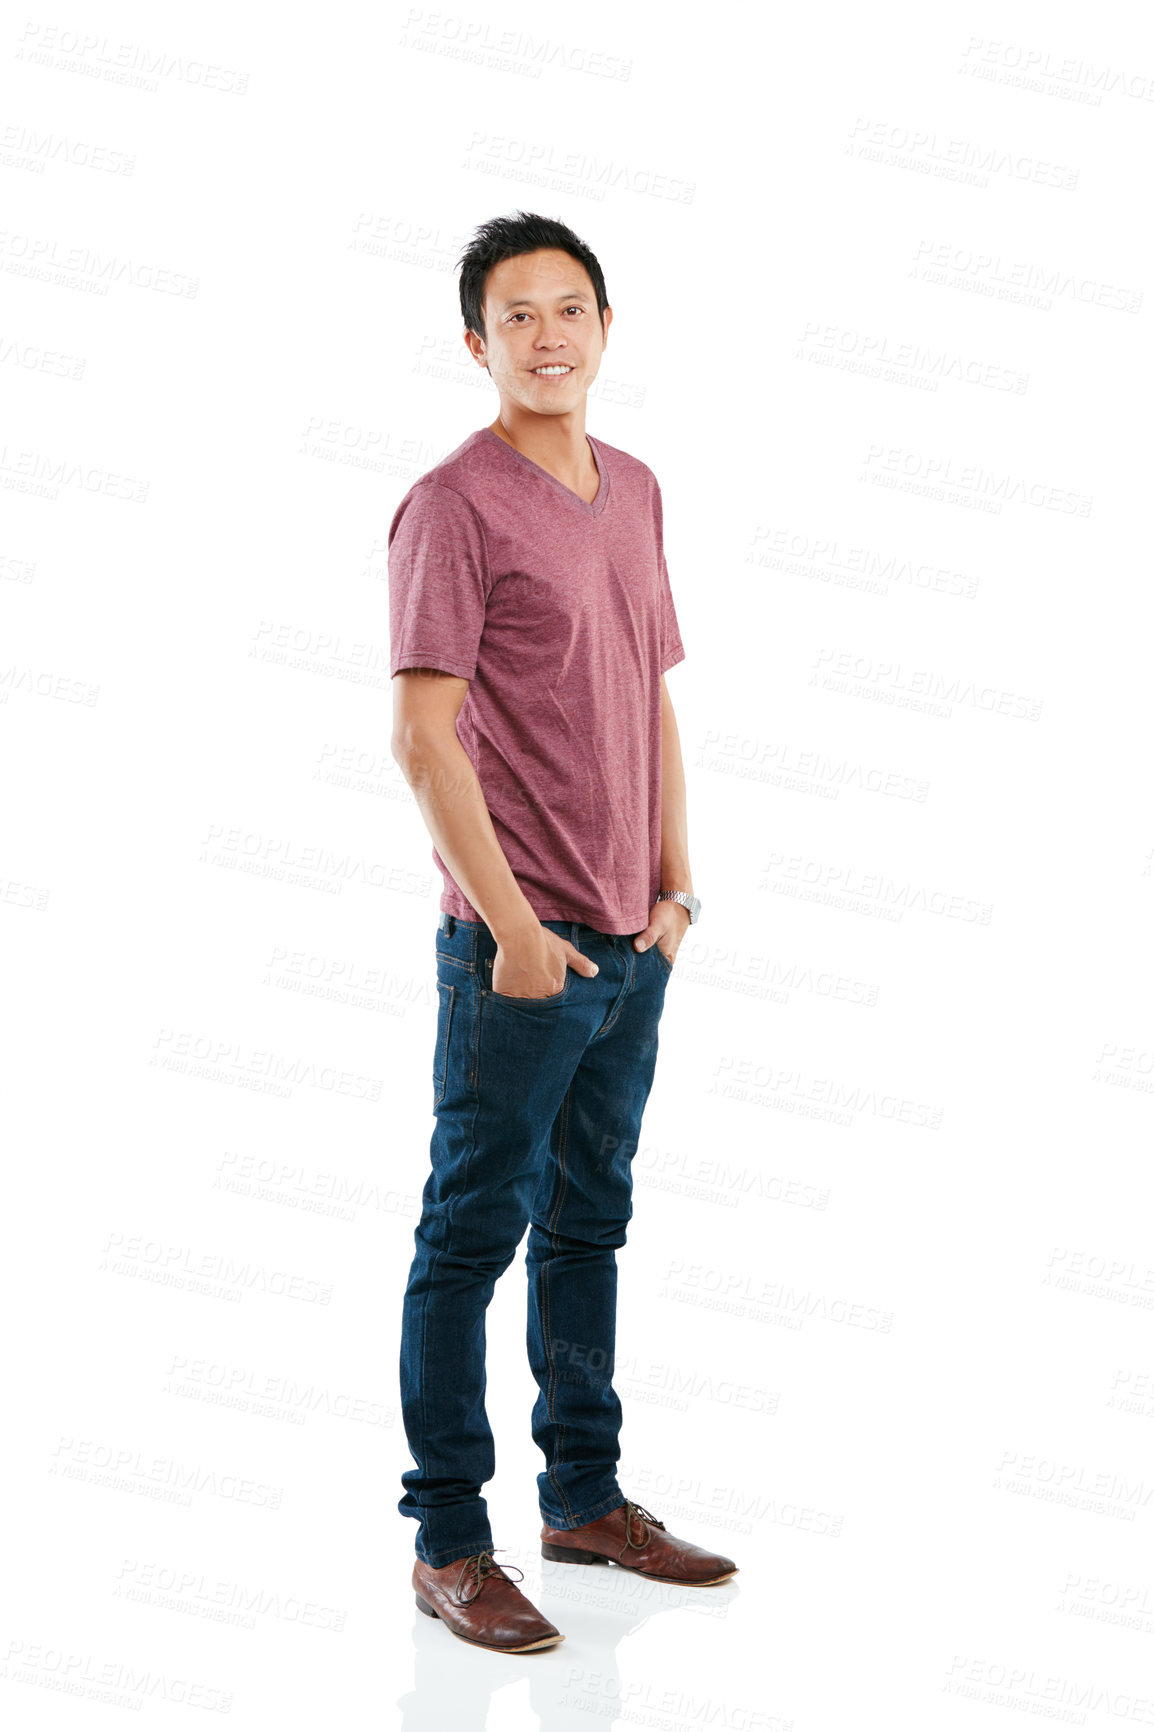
439,582
672,649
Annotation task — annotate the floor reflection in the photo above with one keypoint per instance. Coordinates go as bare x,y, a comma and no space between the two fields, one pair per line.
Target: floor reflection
596,1606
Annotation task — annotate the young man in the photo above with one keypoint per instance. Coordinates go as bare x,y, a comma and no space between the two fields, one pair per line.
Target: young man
531,627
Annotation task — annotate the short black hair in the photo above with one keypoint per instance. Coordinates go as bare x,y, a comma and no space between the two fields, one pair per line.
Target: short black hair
508,237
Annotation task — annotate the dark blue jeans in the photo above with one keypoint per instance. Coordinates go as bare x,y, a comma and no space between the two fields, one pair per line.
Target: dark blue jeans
538,1108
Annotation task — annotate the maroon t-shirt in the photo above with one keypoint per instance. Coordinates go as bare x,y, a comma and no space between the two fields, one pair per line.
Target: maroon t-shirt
559,614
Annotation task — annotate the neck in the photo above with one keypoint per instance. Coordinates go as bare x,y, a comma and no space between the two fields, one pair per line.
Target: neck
556,442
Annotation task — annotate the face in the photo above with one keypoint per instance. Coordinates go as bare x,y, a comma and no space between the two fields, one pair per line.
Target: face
541,312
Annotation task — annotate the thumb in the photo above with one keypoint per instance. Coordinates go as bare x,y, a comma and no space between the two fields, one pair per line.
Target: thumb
645,939
582,964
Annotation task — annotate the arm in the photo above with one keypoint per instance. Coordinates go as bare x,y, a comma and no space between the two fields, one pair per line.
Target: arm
531,960
669,920
675,873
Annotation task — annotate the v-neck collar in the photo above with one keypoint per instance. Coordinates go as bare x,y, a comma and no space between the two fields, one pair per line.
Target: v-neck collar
591,507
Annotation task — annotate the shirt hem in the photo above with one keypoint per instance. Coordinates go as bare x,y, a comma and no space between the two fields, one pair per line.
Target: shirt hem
436,659
615,925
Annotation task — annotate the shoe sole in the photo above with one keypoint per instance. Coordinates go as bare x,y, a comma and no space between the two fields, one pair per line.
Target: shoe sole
493,1647
571,1555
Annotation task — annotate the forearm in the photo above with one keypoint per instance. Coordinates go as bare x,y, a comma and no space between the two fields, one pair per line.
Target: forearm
675,873
452,804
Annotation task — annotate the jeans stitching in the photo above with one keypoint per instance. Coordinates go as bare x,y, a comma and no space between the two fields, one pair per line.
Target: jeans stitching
442,1059
562,1137
455,961
465,1166
605,1507
622,995
475,1034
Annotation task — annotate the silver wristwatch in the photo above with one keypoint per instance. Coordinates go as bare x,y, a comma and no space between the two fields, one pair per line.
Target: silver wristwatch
686,901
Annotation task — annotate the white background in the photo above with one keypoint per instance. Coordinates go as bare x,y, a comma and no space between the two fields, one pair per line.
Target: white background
881,286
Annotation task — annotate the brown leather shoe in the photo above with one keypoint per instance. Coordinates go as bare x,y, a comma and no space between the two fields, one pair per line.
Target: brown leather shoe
634,1539
478,1602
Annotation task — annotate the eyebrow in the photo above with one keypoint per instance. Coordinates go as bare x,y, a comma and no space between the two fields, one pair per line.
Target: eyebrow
565,295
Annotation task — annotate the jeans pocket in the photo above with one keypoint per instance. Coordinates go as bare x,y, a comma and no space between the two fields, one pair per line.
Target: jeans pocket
668,965
446,997
508,998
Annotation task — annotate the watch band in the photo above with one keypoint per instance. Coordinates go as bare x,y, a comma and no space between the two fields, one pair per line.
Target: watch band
686,901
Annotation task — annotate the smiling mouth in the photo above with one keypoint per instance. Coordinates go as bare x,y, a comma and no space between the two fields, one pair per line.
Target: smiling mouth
560,371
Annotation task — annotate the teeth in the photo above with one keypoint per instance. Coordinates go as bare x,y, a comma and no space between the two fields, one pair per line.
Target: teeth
551,372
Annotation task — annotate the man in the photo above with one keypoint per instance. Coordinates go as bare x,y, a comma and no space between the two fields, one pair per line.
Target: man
531,627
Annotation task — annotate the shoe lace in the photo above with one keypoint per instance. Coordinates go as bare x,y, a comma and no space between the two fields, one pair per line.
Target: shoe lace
478,1567
637,1512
